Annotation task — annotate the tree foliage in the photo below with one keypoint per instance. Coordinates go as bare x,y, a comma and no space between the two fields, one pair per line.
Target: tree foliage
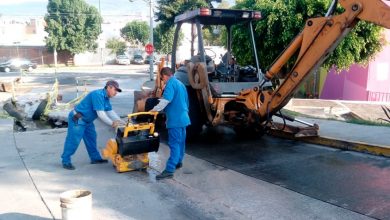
72,25
169,9
216,35
283,20
163,39
116,45
136,32
224,4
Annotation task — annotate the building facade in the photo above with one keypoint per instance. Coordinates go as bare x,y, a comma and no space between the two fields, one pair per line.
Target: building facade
362,83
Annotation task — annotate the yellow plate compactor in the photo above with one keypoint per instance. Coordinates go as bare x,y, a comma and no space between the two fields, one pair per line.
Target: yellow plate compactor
129,150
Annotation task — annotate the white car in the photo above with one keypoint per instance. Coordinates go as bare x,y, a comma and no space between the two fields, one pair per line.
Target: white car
122,60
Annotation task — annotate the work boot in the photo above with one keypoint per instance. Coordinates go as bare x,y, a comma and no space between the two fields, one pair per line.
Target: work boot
99,161
164,175
179,165
68,166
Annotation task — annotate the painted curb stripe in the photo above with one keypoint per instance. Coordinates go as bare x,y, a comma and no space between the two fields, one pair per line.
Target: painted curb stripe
378,150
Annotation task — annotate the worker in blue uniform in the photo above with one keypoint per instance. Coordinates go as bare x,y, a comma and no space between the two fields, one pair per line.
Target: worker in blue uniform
80,123
175,103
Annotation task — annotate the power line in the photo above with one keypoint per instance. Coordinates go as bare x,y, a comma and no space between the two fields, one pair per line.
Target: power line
52,15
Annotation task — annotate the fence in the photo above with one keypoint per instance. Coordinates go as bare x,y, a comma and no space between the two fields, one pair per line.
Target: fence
378,96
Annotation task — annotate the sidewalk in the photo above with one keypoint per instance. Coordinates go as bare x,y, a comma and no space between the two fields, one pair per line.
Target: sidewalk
144,68
335,131
339,109
32,182
19,199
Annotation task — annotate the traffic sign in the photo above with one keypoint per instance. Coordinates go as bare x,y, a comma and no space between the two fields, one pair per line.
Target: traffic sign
149,48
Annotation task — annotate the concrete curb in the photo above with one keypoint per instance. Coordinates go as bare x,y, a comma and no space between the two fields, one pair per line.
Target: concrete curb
374,149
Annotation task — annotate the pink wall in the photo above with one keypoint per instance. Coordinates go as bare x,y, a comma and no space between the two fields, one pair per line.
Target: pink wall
355,85
346,85
333,86
378,84
359,83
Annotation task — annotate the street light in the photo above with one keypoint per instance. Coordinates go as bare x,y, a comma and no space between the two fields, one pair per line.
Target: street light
101,41
151,56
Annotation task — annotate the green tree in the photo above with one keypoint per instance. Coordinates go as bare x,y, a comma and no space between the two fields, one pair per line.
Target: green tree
136,32
168,9
163,39
283,20
116,45
72,25
224,4
213,35
216,35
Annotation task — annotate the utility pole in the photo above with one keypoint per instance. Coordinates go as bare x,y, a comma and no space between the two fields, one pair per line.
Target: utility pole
151,57
151,71
55,57
100,38
151,41
17,47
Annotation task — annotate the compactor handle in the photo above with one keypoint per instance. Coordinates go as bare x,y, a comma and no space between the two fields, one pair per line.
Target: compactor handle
129,116
140,126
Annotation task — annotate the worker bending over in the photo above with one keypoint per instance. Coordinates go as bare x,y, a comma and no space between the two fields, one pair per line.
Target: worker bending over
80,123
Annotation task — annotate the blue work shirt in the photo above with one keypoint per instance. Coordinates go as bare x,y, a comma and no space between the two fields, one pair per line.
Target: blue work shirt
96,100
177,109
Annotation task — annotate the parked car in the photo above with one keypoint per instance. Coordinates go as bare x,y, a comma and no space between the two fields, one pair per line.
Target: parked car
17,64
122,60
137,59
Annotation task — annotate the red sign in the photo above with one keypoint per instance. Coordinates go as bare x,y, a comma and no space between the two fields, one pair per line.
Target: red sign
149,48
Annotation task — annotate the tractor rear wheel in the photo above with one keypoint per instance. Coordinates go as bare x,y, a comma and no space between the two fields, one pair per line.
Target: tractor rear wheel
197,117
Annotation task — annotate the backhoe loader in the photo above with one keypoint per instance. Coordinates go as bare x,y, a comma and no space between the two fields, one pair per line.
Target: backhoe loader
224,95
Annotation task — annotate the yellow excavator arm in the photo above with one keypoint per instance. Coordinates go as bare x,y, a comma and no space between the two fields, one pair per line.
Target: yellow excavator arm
316,41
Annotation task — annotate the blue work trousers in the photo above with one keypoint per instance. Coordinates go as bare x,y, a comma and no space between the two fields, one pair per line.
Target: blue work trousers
177,145
77,131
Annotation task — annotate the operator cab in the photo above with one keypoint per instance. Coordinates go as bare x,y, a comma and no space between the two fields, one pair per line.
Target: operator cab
226,78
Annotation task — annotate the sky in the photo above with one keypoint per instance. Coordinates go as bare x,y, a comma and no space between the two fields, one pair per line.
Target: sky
38,7
108,7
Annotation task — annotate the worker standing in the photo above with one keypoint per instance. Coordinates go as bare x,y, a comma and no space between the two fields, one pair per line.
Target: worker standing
80,123
175,102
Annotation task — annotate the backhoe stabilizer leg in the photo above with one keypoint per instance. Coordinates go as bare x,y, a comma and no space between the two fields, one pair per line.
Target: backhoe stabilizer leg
281,129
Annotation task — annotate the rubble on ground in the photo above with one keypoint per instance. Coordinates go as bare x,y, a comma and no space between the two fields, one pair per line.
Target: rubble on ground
44,107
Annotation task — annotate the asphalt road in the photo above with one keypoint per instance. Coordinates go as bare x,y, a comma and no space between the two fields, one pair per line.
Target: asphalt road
353,181
350,181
